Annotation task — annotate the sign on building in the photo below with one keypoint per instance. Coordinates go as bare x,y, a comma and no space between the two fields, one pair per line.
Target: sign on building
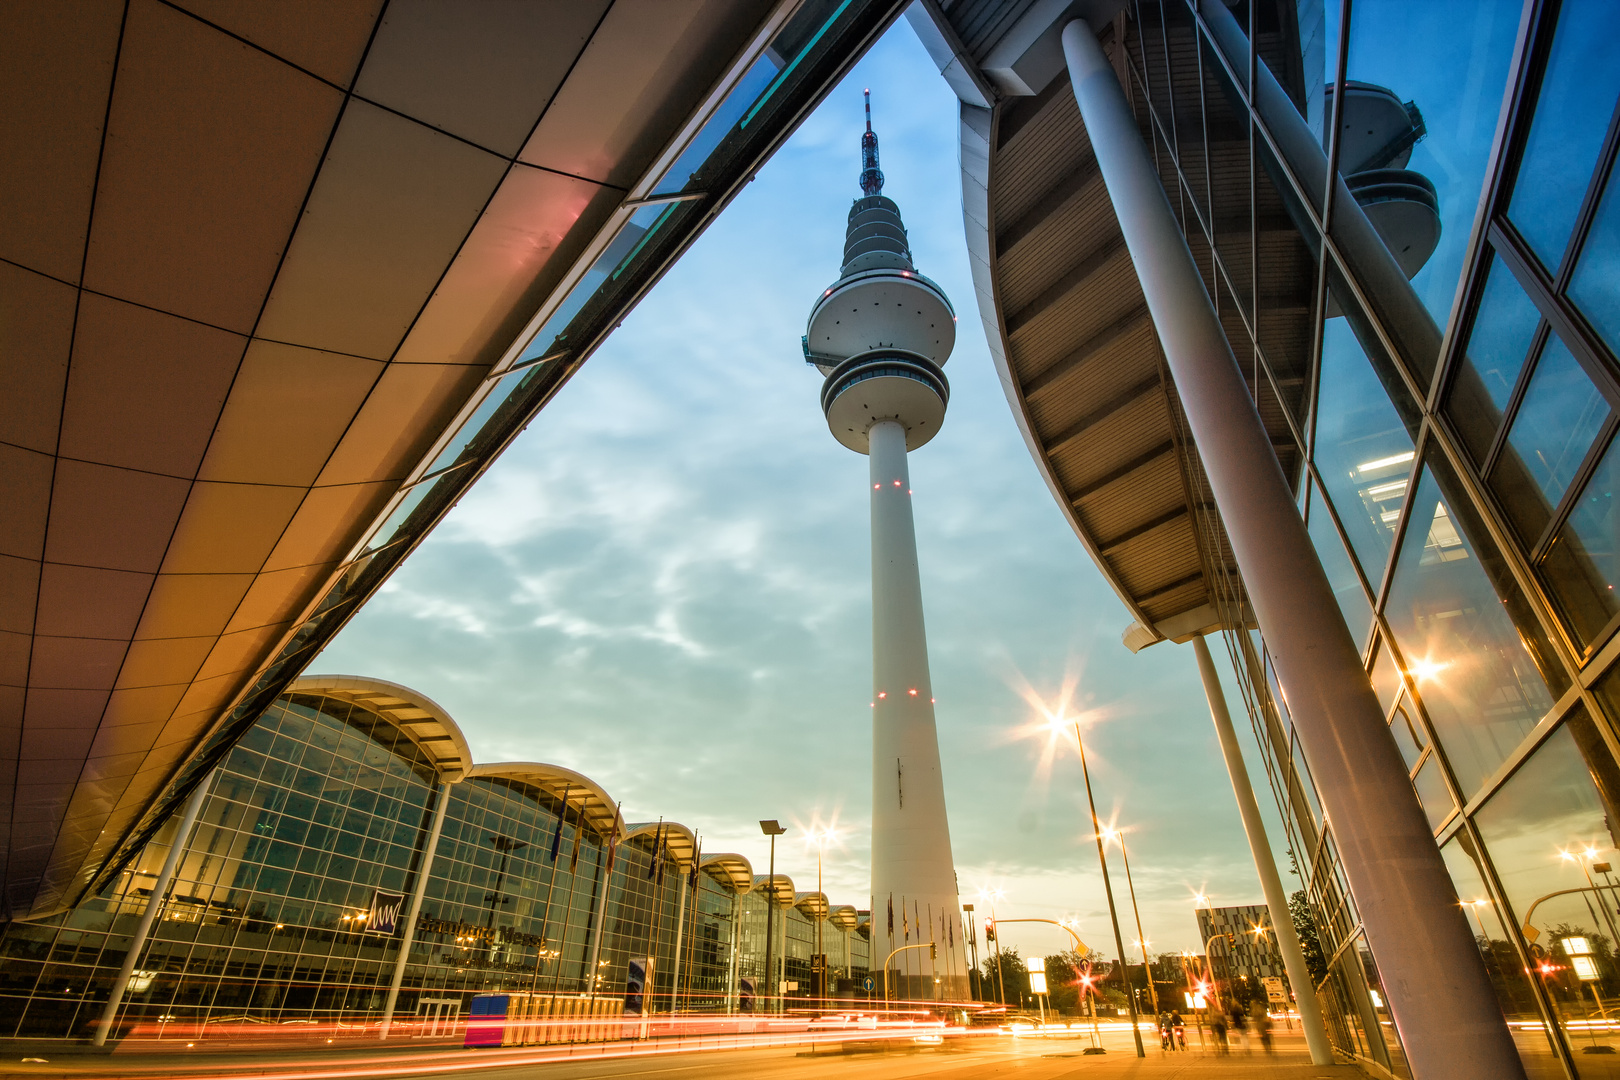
384,915
1274,989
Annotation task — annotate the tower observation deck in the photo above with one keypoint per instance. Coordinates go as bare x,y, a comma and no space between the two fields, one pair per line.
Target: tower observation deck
881,335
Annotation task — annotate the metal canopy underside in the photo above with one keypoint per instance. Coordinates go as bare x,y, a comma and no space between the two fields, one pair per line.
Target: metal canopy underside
1070,332
585,799
255,264
419,717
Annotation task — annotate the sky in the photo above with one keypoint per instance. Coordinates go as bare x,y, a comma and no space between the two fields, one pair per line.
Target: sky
665,581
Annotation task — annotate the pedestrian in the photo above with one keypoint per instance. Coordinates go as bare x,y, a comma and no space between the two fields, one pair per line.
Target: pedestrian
1240,1024
1217,1027
1263,1022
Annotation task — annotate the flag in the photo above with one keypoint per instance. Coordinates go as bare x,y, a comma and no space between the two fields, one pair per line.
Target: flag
658,843
905,921
691,879
579,837
612,847
950,934
891,915
662,856
556,839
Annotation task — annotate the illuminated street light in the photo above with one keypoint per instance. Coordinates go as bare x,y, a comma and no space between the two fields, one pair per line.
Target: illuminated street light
1056,722
1118,837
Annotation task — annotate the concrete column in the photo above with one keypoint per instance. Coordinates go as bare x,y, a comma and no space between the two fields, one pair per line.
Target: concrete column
601,914
408,937
1439,993
1282,920
911,838
680,935
731,973
154,904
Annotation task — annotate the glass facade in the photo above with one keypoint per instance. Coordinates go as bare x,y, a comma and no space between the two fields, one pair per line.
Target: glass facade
321,814
1457,478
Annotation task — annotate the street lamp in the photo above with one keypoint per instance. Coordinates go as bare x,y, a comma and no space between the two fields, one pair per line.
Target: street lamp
1108,888
771,829
1118,836
819,839
990,896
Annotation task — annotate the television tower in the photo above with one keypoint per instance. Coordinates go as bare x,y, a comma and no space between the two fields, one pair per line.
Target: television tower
880,334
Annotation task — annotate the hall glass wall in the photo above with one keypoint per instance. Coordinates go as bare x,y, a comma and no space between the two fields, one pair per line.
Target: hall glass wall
1453,458
321,806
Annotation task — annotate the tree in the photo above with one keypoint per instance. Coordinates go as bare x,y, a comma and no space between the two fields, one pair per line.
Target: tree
1063,971
1299,908
1014,976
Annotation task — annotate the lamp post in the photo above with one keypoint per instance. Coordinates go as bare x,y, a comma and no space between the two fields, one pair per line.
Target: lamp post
772,829
973,948
991,934
820,838
1108,890
1118,836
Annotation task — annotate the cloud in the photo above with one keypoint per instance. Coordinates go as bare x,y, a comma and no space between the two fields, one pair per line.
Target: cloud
665,583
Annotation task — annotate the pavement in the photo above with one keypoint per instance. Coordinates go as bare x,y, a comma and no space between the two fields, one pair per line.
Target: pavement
1057,1057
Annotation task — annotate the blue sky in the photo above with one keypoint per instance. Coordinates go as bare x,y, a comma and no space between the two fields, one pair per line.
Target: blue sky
665,582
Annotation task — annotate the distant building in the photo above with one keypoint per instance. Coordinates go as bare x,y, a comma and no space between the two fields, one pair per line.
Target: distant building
1250,949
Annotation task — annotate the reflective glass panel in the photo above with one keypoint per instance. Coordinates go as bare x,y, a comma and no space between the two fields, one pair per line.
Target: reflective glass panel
1408,733
1577,97
1546,831
1582,565
1432,793
1561,414
1560,417
1502,963
1363,452
1386,677
1448,60
1341,573
1504,327
1596,284
1477,682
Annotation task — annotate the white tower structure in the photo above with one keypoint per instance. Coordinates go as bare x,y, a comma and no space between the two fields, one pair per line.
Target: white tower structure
880,334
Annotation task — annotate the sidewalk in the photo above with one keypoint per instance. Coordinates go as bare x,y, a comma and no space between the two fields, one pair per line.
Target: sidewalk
965,1059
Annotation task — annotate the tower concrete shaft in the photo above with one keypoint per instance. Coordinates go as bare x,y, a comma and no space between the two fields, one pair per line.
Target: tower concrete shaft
881,334
912,866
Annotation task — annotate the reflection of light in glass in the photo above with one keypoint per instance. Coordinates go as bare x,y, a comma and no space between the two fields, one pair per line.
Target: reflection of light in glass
1425,669
1378,1001
1443,544
1384,462
1381,491
1585,969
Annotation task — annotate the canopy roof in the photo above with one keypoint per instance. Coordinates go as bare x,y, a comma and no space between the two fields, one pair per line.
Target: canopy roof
733,871
680,844
277,283
584,796
778,888
421,718
1064,313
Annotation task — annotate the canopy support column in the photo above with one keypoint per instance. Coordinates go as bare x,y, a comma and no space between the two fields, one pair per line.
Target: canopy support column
1439,993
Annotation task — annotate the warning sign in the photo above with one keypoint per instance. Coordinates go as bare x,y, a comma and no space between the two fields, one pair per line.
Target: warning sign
1274,988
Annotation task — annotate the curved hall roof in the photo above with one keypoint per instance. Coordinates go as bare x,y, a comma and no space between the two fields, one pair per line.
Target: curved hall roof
265,271
778,888
813,905
419,717
845,917
733,871
680,843
584,795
